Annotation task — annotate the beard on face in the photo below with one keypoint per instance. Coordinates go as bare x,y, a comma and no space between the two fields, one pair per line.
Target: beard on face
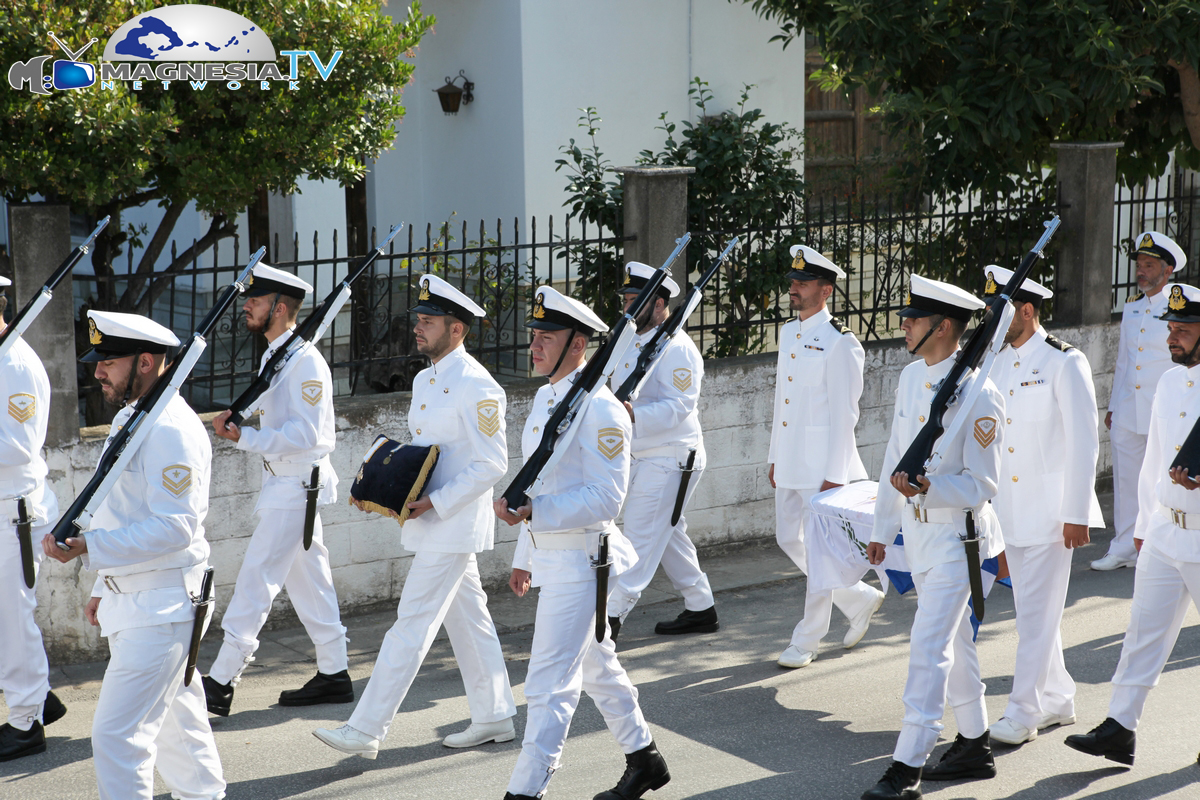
254,324
436,348
114,392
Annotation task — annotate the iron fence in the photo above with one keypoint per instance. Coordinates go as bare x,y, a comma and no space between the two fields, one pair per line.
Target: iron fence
1169,205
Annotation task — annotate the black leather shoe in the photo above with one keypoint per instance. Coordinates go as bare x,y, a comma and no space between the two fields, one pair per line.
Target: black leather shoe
53,709
614,626
966,759
645,770
322,688
16,743
218,696
900,782
1110,739
511,796
691,622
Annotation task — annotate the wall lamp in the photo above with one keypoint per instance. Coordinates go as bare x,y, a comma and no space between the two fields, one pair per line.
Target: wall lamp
450,96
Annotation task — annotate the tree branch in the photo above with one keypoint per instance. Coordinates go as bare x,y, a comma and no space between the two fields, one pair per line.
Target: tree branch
153,249
222,227
1189,95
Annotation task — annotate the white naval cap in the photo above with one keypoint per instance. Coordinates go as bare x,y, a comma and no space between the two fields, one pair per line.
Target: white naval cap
265,280
4,282
1153,243
554,311
1030,291
808,265
927,297
1183,303
439,297
115,335
637,275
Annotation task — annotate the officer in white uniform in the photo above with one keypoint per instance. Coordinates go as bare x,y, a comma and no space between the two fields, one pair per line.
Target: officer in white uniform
943,666
1046,501
1168,534
458,406
147,543
572,504
666,431
1142,358
818,382
24,672
296,430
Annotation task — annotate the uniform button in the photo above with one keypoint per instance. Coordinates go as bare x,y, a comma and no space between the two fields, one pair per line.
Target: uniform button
1189,384
535,430
929,386
920,419
418,431
1140,349
1014,478
785,424
432,381
1176,447
1010,449
1138,386
1010,391
797,336
1143,330
1139,366
1183,413
422,406
789,377
626,365
1008,421
1017,364
638,345
793,355
550,402
786,401
445,391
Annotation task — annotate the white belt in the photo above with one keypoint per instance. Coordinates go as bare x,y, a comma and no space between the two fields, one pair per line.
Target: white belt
560,541
289,469
935,516
141,581
1188,520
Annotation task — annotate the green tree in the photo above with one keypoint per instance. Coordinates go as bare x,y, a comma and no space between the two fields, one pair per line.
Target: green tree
106,150
989,84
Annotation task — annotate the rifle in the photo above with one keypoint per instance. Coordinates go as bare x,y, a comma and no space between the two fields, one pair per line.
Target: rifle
39,301
126,442
594,373
673,324
311,330
985,341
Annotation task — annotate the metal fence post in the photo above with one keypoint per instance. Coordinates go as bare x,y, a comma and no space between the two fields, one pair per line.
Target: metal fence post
656,212
40,236
1087,175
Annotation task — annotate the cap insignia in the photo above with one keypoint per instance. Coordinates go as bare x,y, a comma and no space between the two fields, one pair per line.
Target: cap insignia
93,333
1147,241
249,280
539,307
909,302
991,287
628,276
798,262
1177,301
424,291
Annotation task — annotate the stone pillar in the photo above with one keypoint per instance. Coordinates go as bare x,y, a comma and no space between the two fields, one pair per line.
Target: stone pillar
655,201
1087,175
40,236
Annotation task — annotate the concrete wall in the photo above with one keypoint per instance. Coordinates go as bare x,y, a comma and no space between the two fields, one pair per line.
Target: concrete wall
733,501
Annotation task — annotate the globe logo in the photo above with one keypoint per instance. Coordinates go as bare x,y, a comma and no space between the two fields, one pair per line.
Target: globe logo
189,33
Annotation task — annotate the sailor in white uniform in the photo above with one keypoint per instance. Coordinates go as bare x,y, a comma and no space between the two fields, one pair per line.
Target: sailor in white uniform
1046,500
572,505
666,439
458,406
1142,358
818,382
943,667
147,543
1167,533
24,672
296,430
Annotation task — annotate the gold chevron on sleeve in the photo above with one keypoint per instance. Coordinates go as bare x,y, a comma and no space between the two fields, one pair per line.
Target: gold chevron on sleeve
488,412
682,378
610,442
177,479
22,406
985,431
312,392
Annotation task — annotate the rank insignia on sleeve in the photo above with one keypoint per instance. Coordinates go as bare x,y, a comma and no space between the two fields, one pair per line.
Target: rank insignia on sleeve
682,378
22,406
985,431
610,441
312,392
177,479
488,412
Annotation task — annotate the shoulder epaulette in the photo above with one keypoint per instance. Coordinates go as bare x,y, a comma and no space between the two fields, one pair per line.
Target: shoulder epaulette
1134,296
1058,344
840,326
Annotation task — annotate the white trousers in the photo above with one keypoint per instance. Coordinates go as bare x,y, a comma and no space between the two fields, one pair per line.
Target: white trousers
146,717
564,659
275,559
943,666
653,486
1162,589
1128,452
1041,684
24,673
791,512
441,589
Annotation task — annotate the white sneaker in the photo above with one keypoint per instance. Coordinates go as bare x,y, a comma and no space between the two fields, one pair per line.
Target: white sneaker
1113,561
1050,720
794,657
481,733
349,740
1010,731
859,625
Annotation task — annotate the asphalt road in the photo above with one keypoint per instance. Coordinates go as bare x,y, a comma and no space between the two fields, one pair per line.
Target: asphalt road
730,722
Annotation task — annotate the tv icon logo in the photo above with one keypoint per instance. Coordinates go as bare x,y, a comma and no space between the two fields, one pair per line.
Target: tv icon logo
69,73
72,74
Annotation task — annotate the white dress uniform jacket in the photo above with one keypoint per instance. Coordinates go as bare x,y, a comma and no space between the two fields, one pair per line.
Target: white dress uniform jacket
1142,358
966,478
1051,437
667,419
25,389
818,384
296,428
457,405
